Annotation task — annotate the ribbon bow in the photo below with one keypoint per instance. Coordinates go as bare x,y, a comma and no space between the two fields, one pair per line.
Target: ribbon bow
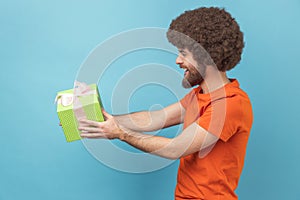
80,89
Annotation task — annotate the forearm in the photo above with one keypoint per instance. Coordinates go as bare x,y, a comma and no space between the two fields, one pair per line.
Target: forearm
156,145
143,121
146,121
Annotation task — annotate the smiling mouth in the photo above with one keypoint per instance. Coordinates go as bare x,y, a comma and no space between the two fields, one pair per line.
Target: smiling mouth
186,71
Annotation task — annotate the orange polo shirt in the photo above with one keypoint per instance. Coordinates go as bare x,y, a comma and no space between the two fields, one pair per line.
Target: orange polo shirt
226,113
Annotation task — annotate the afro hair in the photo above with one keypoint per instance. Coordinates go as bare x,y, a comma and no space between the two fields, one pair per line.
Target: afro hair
216,31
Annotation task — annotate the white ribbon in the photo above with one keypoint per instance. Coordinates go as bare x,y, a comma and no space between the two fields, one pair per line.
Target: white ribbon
80,89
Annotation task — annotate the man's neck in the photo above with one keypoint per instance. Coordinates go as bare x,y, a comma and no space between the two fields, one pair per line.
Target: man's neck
214,81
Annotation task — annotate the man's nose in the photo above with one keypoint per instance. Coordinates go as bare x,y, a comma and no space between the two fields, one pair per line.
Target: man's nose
179,60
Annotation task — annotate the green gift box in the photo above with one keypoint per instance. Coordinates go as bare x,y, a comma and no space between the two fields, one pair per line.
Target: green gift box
72,107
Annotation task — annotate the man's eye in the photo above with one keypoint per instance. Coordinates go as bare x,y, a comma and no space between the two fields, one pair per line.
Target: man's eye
182,53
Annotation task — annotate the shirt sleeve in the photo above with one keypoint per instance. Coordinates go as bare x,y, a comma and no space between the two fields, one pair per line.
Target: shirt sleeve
187,99
221,118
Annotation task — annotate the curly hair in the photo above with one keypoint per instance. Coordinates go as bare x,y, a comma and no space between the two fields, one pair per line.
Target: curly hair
215,30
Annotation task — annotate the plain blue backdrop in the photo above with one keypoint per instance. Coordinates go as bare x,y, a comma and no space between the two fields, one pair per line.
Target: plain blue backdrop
42,45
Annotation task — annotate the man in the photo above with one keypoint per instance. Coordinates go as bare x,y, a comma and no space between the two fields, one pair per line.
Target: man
217,114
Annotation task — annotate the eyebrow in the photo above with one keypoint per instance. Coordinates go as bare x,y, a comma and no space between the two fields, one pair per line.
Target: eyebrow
181,51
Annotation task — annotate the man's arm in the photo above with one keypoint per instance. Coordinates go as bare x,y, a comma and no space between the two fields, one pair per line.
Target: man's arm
147,121
193,139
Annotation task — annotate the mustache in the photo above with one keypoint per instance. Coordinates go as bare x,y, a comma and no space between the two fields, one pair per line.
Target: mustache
183,66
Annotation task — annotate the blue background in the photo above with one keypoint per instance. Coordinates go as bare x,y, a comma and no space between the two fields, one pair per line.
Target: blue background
42,45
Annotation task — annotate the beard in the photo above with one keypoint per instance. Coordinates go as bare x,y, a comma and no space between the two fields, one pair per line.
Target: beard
194,77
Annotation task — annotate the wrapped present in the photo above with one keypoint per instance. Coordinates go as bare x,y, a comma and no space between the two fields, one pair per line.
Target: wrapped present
72,105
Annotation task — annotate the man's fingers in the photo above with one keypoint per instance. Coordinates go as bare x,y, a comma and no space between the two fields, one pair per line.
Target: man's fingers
92,135
89,122
90,129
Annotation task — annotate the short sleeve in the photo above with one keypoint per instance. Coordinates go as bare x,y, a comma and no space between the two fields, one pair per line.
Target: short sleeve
221,118
187,99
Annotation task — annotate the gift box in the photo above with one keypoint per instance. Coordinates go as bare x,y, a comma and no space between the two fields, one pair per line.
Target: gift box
72,105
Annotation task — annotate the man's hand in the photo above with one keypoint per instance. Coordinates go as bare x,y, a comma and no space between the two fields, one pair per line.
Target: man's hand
108,129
